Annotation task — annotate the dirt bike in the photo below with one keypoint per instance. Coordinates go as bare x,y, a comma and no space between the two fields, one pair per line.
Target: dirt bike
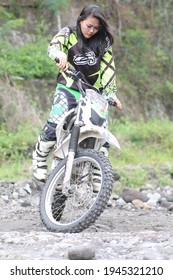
80,184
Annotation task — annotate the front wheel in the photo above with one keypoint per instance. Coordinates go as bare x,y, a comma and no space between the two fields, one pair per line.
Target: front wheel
91,184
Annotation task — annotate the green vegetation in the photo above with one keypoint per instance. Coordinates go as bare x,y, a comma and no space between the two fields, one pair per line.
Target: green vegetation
28,61
56,6
15,149
146,152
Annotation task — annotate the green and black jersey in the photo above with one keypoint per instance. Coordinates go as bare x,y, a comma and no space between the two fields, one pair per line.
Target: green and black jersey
98,71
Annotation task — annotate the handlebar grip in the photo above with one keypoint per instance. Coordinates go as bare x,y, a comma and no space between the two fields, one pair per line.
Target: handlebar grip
57,60
70,68
112,102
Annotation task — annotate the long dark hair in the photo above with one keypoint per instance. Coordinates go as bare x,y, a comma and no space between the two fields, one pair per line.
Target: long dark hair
102,38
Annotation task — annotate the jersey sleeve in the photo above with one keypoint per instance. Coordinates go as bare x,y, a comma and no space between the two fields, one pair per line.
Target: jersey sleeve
107,72
58,45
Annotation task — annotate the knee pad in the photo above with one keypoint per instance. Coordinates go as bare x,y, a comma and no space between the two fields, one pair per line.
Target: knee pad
49,132
71,100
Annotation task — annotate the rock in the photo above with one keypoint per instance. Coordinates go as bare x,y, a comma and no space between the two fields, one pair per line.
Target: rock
22,192
2,202
15,195
153,200
164,203
138,203
169,198
168,251
130,194
5,198
83,252
25,204
146,187
147,207
152,255
120,202
27,189
170,208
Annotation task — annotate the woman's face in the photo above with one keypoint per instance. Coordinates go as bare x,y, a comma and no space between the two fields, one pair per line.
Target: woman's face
90,26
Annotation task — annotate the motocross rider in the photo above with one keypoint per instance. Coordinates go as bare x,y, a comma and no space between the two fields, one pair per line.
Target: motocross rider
88,48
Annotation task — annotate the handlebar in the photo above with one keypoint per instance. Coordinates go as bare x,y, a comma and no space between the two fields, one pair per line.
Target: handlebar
72,72
78,77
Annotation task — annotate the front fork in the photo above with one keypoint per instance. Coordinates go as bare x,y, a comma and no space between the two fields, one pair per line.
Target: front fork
66,187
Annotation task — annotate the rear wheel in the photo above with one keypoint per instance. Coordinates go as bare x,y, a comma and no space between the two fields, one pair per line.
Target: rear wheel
91,186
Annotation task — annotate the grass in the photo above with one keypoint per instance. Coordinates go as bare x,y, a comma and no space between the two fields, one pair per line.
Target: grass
146,154
17,169
147,142
16,149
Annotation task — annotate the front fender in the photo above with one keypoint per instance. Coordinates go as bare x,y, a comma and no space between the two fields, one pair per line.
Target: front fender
88,131
99,133
110,138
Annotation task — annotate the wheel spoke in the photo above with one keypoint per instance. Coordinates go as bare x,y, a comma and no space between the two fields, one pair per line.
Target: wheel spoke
71,208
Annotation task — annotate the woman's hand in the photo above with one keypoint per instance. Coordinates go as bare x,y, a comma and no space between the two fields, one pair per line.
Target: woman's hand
62,64
118,102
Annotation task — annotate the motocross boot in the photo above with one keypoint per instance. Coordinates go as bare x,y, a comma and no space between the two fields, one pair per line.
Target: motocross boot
39,163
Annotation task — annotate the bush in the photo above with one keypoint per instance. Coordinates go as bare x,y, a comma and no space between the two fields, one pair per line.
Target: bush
28,61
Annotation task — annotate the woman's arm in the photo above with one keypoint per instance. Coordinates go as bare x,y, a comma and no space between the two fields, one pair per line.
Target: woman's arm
108,76
57,48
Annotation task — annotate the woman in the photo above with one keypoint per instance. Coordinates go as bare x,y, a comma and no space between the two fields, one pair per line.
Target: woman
88,48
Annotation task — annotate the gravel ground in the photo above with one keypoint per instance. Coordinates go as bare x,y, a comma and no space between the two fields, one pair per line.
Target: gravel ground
122,231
